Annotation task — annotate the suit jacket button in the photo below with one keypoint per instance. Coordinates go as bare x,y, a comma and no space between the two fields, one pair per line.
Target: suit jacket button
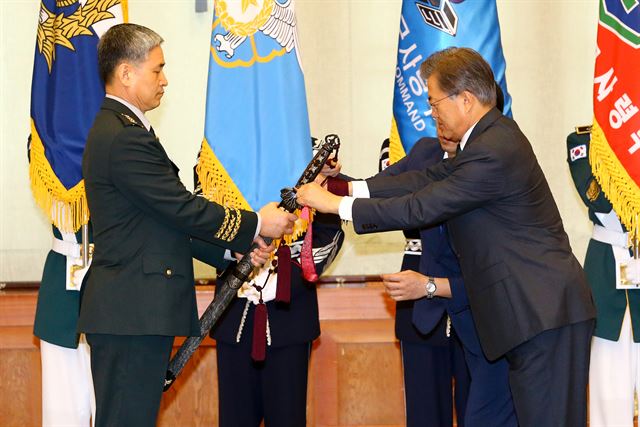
168,272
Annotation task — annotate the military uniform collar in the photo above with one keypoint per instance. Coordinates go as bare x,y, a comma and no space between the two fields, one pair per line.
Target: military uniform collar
137,113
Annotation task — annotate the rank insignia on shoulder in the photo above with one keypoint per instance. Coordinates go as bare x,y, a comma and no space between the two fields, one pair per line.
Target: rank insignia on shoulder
578,152
127,120
593,191
582,130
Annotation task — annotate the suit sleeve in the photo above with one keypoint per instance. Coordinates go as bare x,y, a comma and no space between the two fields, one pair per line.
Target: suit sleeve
418,199
407,182
141,171
394,169
582,175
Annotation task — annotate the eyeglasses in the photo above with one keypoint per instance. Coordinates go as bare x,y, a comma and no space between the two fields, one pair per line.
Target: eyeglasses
434,104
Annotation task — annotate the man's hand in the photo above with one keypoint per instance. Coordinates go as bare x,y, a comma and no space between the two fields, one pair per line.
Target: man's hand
314,196
410,285
331,168
275,222
405,285
259,256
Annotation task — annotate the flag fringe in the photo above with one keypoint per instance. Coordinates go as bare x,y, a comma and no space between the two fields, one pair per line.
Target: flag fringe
620,189
124,4
218,186
66,209
396,150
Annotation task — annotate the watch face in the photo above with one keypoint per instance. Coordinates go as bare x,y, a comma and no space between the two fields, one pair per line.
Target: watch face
431,287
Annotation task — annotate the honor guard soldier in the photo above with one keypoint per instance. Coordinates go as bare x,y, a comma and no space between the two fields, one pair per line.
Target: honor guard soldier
67,386
431,358
263,340
615,349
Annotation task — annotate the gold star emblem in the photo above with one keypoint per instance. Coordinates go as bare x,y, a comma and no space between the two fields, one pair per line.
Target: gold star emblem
247,3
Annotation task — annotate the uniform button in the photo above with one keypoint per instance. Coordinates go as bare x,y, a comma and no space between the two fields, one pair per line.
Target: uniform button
168,272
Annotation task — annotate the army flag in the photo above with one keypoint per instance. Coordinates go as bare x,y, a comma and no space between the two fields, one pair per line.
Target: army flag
615,135
256,136
427,26
66,94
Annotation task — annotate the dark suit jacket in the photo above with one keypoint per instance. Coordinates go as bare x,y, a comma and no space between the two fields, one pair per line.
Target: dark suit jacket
144,220
519,271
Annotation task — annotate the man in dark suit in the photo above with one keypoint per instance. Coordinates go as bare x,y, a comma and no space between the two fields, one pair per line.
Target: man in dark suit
271,375
527,292
139,291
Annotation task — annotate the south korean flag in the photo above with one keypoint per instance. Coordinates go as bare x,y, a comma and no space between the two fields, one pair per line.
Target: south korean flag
578,152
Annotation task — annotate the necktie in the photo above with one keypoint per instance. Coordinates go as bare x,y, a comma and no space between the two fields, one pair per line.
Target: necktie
458,149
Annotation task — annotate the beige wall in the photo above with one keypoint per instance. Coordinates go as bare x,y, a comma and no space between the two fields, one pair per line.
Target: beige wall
348,52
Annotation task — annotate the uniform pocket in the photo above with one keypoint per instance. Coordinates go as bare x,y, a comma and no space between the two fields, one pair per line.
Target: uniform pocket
166,264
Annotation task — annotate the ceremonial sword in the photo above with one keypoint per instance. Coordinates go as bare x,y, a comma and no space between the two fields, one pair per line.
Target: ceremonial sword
232,278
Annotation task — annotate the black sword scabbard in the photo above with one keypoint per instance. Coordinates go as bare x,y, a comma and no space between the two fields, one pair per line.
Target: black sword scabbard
232,279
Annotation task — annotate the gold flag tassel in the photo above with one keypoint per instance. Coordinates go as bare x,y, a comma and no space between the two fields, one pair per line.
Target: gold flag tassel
619,187
67,209
396,150
218,187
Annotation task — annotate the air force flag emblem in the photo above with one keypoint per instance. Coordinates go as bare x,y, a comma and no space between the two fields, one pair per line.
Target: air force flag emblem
245,18
257,126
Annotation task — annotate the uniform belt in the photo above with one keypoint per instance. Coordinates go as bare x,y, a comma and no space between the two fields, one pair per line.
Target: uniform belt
70,249
413,247
613,238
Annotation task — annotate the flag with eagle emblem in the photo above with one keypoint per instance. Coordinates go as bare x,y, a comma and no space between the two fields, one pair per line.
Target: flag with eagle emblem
615,135
66,94
256,136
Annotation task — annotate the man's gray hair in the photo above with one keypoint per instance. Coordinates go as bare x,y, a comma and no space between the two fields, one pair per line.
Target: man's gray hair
458,69
124,43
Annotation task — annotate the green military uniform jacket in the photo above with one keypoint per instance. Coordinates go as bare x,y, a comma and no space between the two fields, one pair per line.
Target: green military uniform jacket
599,263
145,224
57,311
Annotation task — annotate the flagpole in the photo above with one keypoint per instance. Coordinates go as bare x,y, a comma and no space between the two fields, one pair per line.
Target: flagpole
85,245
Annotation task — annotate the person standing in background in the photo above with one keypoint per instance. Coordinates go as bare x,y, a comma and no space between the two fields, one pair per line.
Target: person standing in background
67,386
615,348
432,354
273,388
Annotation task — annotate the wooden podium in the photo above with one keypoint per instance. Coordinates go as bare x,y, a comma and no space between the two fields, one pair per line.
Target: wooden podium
355,376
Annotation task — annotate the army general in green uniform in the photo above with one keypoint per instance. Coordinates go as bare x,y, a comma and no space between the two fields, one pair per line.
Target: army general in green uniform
139,291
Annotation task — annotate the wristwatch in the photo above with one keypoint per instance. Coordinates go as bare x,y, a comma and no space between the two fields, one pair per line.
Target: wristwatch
431,287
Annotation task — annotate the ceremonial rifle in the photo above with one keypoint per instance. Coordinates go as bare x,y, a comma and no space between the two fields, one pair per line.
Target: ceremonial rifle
233,277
